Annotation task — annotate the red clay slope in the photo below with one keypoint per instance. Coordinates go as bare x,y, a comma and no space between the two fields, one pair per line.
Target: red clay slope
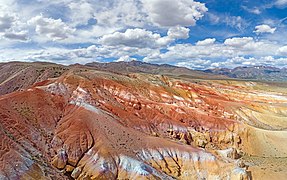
98,125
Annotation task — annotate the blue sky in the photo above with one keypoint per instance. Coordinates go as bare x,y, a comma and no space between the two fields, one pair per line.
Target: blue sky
198,34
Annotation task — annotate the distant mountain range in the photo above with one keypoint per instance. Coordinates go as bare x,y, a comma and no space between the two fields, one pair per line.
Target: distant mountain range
262,73
266,73
143,67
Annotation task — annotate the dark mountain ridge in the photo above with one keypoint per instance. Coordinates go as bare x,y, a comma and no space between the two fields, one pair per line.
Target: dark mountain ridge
266,73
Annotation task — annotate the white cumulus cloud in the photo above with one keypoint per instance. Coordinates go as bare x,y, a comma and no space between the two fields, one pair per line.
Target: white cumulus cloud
281,3
238,41
6,21
206,42
125,59
283,50
178,32
174,13
264,28
10,26
142,38
132,37
22,35
54,29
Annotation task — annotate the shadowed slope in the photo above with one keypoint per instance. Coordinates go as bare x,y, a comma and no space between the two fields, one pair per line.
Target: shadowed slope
18,75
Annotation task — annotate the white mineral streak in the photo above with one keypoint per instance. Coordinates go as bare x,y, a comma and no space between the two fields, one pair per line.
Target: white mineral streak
160,154
56,88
